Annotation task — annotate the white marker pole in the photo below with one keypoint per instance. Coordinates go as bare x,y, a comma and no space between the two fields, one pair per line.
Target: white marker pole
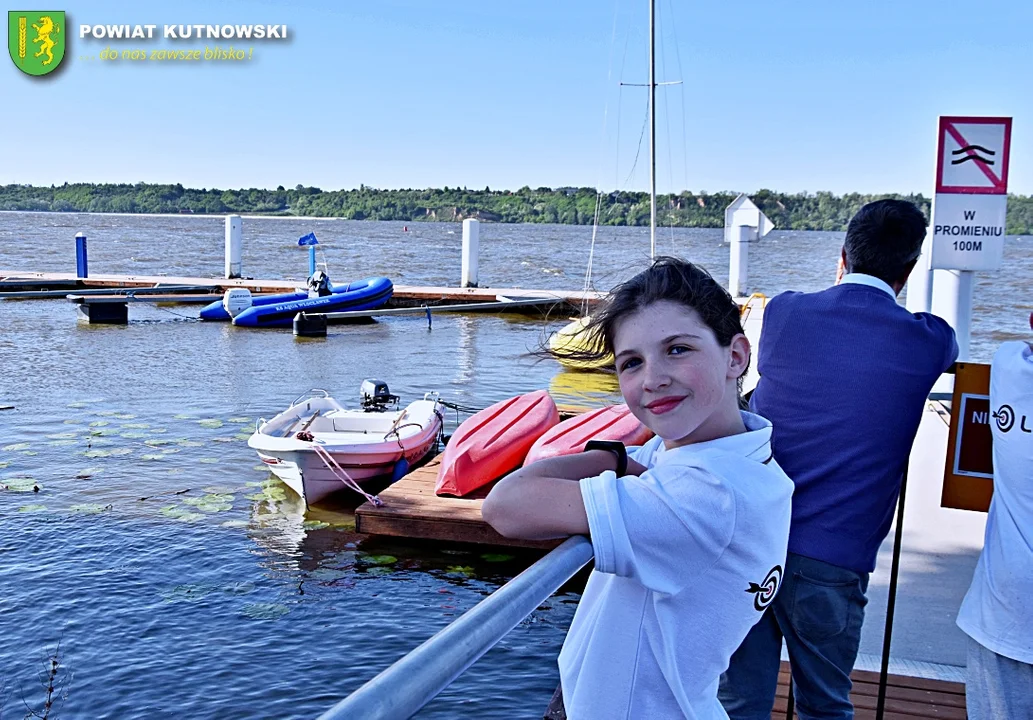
920,282
471,248
739,259
233,245
953,302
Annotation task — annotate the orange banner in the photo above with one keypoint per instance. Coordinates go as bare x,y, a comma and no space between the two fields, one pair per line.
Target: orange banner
969,472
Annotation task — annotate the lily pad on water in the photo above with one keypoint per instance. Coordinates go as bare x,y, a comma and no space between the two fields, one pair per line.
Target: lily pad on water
190,517
187,593
96,453
3,463
265,611
496,557
132,435
107,413
20,484
72,421
379,559
260,468
136,426
99,423
240,420
32,508
188,443
464,570
157,442
122,451
159,430
29,452
62,436
315,525
170,450
234,524
63,443
152,456
224,439
15,447
184,416
89,508
88,473
125,416
210,423
208,460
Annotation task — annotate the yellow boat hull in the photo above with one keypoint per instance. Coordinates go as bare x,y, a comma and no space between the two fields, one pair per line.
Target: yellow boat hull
571,338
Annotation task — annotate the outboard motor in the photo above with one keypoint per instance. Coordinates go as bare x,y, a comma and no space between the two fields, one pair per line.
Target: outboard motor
319,284
375,395
236,300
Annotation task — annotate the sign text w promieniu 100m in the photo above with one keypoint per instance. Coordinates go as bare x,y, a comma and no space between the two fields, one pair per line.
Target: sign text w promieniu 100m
184,32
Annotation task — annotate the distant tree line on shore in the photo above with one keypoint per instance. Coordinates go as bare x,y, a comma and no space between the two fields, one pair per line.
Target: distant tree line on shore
567,205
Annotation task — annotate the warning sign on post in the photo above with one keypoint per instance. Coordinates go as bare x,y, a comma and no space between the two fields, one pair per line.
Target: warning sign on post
971,193
973,155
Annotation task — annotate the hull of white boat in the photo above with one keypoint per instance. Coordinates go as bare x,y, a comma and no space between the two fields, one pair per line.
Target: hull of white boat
365,445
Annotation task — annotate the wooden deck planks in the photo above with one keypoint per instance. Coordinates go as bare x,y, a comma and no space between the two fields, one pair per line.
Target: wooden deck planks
907,698
412,510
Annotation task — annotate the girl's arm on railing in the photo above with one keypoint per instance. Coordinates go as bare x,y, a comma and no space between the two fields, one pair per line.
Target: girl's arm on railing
539,502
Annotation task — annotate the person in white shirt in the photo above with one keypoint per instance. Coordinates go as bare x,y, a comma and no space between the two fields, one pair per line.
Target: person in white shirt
689,531
997,612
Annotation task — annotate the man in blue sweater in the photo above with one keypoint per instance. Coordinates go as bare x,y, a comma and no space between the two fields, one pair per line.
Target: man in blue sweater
844,377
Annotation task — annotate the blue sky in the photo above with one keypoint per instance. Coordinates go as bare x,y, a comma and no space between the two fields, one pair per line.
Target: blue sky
794,96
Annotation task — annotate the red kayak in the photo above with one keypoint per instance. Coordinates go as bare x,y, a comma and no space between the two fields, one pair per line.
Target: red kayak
494,441
570,436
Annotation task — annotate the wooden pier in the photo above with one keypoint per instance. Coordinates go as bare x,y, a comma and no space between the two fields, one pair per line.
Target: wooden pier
404,295
412,510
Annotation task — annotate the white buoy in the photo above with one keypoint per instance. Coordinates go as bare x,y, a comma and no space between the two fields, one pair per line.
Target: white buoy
234,231
471,245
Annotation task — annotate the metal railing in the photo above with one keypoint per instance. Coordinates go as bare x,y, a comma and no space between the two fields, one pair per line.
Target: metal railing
405,687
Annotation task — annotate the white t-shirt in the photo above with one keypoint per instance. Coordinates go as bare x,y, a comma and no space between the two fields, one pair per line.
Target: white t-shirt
687,556
997,612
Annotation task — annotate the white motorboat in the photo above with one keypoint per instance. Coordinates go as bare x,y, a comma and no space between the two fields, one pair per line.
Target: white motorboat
318,447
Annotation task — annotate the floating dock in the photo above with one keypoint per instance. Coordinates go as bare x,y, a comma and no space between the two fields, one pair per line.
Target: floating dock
404,295
411,510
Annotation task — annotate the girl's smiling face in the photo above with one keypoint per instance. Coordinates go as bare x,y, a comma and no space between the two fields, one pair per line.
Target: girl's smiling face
674,375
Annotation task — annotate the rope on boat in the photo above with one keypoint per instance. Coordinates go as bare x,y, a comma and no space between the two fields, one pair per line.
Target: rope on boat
338,471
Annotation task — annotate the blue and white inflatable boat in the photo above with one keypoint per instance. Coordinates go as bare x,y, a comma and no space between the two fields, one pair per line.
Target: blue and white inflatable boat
279,310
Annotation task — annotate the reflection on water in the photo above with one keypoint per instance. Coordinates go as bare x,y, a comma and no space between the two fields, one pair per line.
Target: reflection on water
584,389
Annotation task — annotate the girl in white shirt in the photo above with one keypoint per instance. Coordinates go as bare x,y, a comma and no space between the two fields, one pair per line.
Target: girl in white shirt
691,539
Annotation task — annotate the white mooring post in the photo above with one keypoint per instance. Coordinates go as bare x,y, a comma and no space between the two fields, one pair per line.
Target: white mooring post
739,259
471,244
744,223
233,244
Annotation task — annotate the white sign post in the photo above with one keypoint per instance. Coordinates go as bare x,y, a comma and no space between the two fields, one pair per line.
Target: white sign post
967,229
744,223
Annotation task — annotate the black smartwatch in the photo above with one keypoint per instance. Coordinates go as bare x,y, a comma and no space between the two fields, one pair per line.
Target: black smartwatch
617,448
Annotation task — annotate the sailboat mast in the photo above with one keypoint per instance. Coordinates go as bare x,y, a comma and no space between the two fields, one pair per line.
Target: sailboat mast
652,135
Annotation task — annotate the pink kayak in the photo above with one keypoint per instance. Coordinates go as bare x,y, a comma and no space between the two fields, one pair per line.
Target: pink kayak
570,436
494,441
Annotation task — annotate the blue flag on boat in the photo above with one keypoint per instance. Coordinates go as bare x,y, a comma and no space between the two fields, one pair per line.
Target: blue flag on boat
309,239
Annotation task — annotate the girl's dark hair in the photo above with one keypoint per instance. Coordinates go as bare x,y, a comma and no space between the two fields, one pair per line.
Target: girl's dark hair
670,279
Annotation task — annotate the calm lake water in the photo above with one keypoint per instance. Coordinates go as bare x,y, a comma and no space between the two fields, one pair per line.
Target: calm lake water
177,577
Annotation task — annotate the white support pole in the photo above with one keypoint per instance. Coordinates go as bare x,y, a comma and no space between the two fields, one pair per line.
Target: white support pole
471,248
920,282
234,226
739,259
953,302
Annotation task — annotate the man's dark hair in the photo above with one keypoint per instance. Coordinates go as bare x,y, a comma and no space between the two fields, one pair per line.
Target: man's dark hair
883,237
